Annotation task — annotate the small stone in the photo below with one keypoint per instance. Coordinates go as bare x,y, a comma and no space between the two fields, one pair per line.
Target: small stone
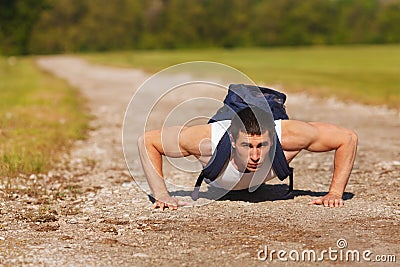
126,184
141,255
47,227
242,255
110,229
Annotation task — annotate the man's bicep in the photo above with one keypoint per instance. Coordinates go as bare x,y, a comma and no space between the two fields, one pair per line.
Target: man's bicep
312,136
195,140
329,137
178,141
297,135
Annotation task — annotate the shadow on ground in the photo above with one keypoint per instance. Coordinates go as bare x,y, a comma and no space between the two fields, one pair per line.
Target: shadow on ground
263,193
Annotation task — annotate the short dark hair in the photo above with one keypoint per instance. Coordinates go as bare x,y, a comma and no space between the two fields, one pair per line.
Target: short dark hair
253,121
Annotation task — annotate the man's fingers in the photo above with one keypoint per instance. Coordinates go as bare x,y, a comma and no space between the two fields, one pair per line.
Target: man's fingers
171,204
328,202
317,201
337,203
182,203
163,205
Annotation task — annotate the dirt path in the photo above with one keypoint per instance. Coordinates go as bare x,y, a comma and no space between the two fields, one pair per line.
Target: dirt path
108,221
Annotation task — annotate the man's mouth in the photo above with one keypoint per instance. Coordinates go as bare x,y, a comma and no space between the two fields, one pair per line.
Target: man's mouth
252,166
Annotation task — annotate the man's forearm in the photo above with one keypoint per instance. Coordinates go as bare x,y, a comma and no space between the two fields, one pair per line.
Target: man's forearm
343,164
151,160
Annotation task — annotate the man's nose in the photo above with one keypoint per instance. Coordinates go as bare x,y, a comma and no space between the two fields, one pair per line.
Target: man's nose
255,154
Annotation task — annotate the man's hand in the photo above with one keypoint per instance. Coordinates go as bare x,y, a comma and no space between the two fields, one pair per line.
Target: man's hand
169,202
329,200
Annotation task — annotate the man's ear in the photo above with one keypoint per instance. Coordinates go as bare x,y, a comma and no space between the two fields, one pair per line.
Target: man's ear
233,143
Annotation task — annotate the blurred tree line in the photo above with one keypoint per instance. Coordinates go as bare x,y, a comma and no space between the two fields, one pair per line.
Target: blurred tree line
53,26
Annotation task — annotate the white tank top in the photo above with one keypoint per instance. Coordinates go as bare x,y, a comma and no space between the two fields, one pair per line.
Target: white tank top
230,178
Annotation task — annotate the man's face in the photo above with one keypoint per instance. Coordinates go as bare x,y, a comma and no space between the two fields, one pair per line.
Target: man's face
251,150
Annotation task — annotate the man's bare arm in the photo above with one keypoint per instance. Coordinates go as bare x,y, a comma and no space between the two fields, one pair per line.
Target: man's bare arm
173,142
322,137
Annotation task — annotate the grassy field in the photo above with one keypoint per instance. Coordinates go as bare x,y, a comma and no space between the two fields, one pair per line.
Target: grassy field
40,116
367,74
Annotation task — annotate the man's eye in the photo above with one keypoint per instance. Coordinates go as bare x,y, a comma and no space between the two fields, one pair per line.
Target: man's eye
263,145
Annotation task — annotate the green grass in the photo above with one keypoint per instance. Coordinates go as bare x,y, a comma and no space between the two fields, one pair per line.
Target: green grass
40,116
367,74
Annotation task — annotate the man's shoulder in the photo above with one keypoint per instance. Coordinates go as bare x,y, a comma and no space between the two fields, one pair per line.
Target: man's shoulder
196,139
196,132
292,123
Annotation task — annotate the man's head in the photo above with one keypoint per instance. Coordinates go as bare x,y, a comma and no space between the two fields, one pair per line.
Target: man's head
252,131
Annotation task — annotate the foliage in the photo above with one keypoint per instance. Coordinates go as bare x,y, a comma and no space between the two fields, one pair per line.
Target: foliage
50,26
40,116
17,19
367,74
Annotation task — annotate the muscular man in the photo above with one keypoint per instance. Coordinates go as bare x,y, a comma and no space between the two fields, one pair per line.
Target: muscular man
251,136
